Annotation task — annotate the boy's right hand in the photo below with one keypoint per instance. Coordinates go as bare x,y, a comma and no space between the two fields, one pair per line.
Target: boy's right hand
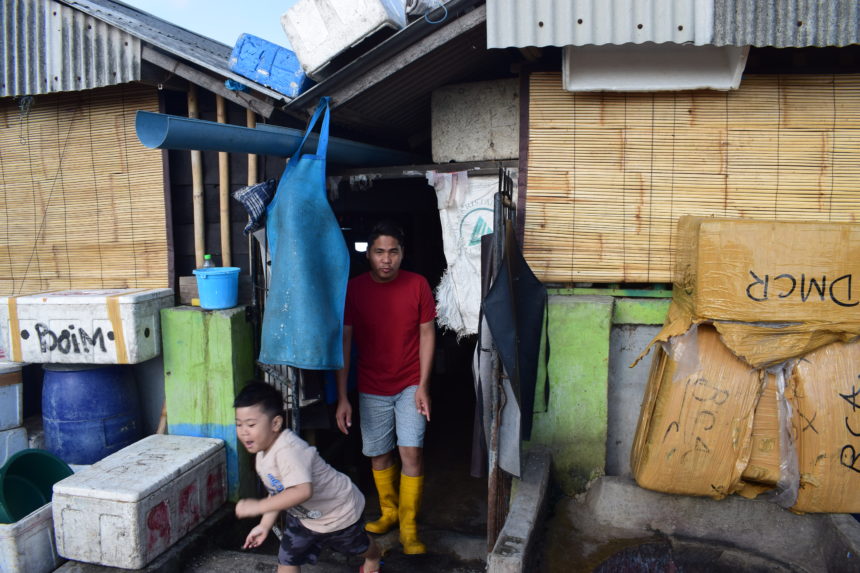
343,415
256,537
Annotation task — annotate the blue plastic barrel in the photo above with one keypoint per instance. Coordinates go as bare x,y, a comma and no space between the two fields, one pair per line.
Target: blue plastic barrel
89,412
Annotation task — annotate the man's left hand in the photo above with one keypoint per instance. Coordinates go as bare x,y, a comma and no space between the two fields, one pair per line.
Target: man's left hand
422,402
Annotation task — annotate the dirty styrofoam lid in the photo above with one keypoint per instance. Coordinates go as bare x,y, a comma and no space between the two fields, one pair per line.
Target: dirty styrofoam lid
140,469
91,296
10,367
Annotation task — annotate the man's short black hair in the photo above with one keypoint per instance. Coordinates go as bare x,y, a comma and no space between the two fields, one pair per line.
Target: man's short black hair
256,393
389,229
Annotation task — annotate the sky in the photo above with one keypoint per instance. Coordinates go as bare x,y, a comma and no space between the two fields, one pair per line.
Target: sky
223,20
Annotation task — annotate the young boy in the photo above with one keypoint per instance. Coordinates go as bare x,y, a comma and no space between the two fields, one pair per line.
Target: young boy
324,508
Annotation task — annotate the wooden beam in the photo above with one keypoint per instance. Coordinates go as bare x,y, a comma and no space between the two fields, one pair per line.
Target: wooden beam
224,189
412,171
197,185
213,84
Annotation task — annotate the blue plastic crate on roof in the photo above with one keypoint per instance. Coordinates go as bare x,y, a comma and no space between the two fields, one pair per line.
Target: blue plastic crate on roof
269,64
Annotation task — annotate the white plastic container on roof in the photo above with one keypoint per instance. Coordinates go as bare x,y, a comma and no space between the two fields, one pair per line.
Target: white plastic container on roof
84,326
319,30
128,508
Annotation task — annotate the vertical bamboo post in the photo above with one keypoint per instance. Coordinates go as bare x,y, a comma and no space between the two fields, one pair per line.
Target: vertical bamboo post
197,184
224,189
251,119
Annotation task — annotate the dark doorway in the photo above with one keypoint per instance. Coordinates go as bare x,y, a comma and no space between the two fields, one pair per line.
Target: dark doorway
453,500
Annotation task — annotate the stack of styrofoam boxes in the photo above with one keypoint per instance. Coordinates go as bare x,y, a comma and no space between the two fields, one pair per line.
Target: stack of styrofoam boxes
26,546
319,30
13,437
128,508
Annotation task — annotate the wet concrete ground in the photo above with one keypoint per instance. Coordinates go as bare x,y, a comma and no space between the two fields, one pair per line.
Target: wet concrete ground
453,517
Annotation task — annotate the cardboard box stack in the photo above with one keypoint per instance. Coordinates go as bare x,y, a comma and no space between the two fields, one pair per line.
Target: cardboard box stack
756,387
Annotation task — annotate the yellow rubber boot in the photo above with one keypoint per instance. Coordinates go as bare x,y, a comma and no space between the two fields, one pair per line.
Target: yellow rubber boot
386,486
410,503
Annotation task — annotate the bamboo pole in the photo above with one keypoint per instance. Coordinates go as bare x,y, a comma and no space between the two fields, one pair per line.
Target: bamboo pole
252,159
224,189
197,184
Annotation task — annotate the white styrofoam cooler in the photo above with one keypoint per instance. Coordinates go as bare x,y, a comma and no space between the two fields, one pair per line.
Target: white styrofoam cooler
87,326
27,546
12,441
11,395
319,30
128,508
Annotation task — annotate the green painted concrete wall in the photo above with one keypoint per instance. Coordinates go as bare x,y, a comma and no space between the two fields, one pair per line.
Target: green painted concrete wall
208,356
574,427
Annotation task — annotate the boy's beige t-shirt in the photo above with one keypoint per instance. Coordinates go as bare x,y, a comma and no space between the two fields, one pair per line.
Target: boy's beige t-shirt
336,502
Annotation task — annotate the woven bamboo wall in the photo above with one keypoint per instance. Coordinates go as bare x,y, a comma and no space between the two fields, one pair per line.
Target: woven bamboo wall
81,199
610,173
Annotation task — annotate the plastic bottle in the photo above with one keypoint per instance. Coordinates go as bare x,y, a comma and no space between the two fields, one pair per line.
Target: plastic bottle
207,262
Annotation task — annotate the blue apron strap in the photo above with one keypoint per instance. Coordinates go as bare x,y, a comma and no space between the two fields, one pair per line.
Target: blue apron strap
323,139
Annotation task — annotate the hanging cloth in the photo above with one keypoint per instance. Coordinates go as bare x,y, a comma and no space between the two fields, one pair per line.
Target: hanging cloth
303,317
515,310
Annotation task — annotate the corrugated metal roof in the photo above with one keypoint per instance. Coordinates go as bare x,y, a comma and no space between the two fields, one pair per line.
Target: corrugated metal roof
513,23
68,45
786,23
48,47
185,44
779,23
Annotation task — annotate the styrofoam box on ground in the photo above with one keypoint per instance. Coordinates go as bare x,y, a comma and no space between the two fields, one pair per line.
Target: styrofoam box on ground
128,508
27,546
12,441
11,395
89,326
319,30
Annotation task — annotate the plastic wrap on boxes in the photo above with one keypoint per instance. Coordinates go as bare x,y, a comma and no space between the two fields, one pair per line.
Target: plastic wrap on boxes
695,427
268,64
775,290
826,422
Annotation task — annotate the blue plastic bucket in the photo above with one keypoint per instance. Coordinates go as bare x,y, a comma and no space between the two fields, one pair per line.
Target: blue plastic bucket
89,412
218,287
26,482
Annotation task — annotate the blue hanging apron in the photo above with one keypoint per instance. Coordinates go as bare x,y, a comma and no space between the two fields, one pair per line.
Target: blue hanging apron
303,318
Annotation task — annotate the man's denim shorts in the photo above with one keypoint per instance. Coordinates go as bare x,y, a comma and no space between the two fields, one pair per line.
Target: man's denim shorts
383,417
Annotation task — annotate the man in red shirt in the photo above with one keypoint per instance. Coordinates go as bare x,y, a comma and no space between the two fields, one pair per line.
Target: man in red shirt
390,313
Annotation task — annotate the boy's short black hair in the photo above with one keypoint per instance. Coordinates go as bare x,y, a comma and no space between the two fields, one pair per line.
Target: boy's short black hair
256,393
389,229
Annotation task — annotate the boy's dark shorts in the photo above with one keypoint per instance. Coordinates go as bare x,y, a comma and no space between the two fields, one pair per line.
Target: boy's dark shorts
300,545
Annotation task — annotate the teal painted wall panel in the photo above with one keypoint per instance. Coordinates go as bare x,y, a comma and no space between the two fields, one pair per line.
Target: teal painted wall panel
208,356
574,427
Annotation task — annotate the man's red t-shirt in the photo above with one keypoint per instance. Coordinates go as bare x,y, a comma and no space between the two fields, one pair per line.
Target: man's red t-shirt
385,318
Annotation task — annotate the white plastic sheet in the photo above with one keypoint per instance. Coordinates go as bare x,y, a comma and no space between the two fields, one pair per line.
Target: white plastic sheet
466,213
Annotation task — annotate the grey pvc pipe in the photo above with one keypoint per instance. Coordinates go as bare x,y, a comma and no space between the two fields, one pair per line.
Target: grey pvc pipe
162,131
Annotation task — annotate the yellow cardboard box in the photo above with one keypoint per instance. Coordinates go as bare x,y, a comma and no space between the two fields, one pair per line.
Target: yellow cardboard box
773,289
765,460
695,428
826,422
